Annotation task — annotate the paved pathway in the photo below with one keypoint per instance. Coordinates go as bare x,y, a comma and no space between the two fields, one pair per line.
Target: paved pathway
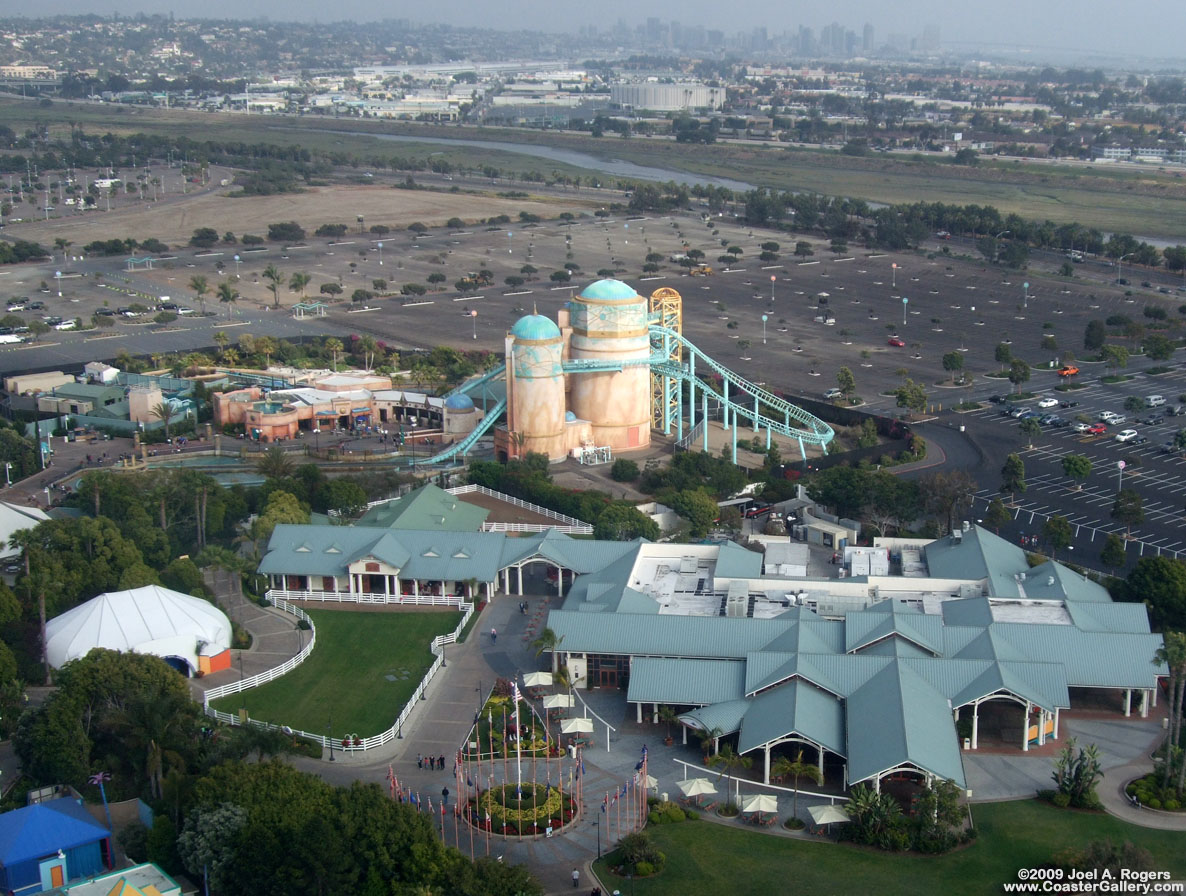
455,695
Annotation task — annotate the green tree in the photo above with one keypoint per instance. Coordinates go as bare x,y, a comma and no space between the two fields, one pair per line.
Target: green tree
1173,654
1158,347
843,489
846,382
953,363
911,395
785,768
208,843
274,277
623,470
1013,476
548,641
1058,534
697,508
1077,772
997,515
1160,583
1031,429
622,521
803,249
730,762
1095,336
298,282
1113,554
282,507
200,285
1115,356
1128,508
227,295
275,464
947,495
1077,467
334,346
165,412
1003,354
1019,373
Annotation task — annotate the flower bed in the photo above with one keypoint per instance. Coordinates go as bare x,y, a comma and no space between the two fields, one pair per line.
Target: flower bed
530,810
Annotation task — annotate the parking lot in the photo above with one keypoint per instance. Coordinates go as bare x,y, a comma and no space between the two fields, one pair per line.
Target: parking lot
1156,473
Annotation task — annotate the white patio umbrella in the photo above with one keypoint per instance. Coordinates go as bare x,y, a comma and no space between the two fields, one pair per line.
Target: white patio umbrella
827,814
760,802
537,679
558,701
649,782
697,787
577,726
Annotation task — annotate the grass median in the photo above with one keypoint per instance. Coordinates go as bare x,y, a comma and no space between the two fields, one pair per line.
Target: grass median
363,670
703,857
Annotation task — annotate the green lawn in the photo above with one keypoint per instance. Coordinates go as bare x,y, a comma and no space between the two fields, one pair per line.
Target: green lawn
703,857
363,670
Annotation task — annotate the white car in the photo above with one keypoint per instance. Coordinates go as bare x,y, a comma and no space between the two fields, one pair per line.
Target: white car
1111,418
1048,403
1081,427
66,325
1126,435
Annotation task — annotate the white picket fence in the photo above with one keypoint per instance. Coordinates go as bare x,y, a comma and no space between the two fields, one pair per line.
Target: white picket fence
438,650
367,597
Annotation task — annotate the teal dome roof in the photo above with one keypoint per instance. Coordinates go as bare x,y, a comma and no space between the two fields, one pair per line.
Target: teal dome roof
535,327
459,402
608,289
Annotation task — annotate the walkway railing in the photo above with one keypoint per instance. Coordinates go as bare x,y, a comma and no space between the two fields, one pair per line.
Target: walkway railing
536,527
271,674
517,502
368,597
700,771
346,746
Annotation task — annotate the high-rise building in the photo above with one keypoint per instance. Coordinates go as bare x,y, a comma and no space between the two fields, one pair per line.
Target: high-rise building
867,39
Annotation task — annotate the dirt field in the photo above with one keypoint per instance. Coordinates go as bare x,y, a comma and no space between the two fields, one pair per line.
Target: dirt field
174,219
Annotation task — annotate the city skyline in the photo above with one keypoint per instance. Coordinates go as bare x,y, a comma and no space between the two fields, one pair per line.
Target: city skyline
1057,30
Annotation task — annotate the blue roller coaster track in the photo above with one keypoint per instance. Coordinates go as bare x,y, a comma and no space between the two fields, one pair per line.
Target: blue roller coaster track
685,391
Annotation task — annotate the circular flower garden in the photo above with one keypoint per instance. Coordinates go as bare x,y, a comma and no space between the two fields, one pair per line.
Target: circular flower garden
515,810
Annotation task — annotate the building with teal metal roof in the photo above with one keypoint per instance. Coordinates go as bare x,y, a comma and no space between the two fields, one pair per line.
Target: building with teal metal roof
428,508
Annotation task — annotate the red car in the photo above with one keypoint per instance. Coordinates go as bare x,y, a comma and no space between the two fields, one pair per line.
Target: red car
897,341
1097,429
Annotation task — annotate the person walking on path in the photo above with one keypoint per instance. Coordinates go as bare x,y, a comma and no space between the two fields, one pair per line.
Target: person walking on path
576,878
493,636
444,797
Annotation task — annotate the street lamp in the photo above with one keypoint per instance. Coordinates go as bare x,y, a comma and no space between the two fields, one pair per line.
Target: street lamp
329,736
772,279
597,826
1120,475
380,245
763,329
412,439
1120,266
474,316
1025,301
236,267
58,277
894,275
905,302
995,253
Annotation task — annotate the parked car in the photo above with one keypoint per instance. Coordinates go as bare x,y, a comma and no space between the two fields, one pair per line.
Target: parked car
833,393
1082,427
1065,403
1049,419
1151,420
1030,415
1112,418
1048,402
997,399
1018,412
1097,429
1068,370
897,341
1126,435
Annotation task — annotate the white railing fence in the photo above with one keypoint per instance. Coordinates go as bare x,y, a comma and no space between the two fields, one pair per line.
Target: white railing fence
517,502
264,677
367,597
363,744
536,527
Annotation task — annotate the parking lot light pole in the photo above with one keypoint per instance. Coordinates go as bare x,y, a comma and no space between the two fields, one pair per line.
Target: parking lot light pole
905,302
1120,475
1025,300
1120,266
764,318
995,251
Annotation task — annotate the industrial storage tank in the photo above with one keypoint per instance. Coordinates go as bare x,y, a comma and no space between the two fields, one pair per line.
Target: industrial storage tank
535,349
610,326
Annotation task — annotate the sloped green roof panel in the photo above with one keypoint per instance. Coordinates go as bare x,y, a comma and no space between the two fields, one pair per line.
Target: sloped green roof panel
735,562
796,708
678,636
685,682
1109,617
428,508
726,716
970,611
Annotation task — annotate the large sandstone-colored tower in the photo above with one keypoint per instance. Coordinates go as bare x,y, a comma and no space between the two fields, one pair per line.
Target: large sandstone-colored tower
608,320
535,388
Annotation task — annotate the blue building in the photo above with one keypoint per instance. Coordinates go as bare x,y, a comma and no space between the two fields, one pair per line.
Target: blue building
49,844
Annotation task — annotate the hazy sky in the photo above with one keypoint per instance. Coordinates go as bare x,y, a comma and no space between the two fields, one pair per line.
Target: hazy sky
1146,30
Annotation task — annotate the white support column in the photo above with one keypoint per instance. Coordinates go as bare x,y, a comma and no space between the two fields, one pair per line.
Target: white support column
638,712
1154,692
877,784
399,589
1025,729
684,729
415,587
350,580
1041,727
766,766
821,765
655,713
520,591
975,724
387,588
1127,702
1054,734
1145,703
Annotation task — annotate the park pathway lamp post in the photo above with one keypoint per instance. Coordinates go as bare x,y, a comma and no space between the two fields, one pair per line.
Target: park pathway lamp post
329,736
1120,475
474,317
773,278
995,252
894,275
764,318
905,302
1025,299
237,260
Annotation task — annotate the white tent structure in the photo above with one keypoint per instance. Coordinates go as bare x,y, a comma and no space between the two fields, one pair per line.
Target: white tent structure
187,632
14,518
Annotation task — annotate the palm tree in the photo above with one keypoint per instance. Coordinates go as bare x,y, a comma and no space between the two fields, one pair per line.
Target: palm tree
730,763
668,716
146,725
333,345
227,294
265,345
795,770
222,340
708,739
165,412
548,640
274,464
275,278
200,285
1173,654
38,580
297,282
369,347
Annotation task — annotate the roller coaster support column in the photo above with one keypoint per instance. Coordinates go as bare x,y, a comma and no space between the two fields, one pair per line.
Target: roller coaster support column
725,404
734,439
704,416
679,411
767,438
755,413
802,453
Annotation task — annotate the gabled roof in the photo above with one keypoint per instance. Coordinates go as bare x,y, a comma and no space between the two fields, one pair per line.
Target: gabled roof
896,719
726,716
681,636
40,830
735,562
1109,617
1053,581
969,611
795,708
892,619
428,508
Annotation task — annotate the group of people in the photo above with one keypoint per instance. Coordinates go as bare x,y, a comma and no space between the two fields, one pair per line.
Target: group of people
432,763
